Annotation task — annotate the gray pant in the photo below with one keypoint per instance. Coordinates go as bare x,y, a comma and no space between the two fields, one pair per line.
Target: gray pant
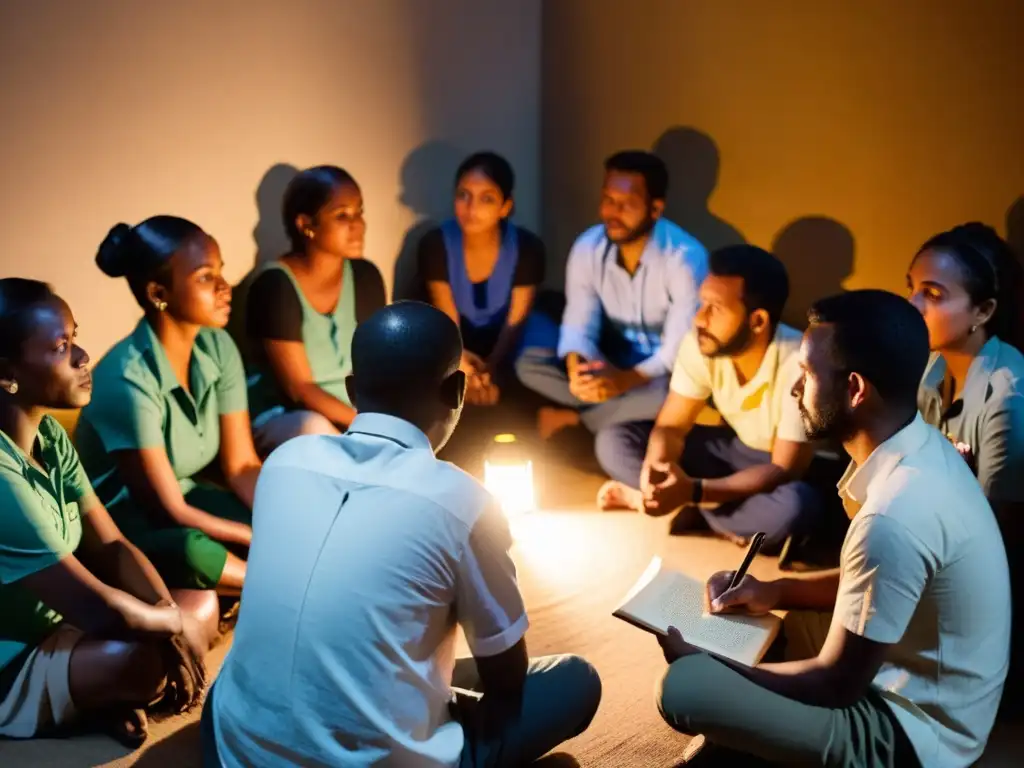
559,700
701,695
539,369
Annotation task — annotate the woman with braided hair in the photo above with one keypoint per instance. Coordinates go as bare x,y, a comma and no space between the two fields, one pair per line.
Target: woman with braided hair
88,629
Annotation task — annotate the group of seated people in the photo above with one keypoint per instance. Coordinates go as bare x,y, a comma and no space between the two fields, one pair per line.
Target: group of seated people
359,552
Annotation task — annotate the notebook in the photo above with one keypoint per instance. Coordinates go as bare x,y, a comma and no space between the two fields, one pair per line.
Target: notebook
663,597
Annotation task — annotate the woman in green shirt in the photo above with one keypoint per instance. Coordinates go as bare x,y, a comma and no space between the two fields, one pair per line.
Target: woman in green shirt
302,309
170,410
88,629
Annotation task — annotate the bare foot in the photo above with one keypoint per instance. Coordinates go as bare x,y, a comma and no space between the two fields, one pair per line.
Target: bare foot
551,421
616,495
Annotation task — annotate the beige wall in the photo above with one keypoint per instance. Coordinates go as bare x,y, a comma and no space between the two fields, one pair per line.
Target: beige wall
843,133
119,109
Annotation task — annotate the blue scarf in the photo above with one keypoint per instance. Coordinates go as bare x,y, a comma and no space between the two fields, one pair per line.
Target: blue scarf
498,286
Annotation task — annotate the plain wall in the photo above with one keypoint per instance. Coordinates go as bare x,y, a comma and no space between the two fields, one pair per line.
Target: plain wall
115,110
842,134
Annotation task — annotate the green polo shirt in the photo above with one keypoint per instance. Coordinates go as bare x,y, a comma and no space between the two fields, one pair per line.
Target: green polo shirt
326,338
138,403
40,523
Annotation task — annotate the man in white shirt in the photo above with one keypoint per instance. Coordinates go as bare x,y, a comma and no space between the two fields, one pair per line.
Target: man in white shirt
631,291
367,552
745,477
911,668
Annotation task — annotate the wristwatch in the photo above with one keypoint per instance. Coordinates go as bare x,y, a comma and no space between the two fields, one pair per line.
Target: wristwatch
698,491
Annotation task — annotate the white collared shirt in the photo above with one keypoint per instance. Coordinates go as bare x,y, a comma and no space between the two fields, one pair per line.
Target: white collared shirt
758,411
366,549
924,570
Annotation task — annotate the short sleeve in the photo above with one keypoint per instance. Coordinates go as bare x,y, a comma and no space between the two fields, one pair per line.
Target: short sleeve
432,258
489,604
273,308
232,395
75,480
1001,453
29,541
532,260
126,416
883,575
690,375
791,423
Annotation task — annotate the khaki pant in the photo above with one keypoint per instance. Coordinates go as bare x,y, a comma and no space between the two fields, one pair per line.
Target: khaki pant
700,695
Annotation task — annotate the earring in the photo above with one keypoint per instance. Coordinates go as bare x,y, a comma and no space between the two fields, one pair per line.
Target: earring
974,329
160,305
309,233
12,389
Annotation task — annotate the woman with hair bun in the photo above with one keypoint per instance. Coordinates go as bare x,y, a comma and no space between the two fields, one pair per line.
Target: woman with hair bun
170,409
483,271
302,309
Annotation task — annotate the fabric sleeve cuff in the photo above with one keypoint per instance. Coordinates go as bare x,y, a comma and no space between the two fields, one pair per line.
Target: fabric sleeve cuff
495,644
653,367
574,341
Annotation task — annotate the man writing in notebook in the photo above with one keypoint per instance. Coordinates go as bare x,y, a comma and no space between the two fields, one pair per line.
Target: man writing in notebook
911,666
367,551
744,477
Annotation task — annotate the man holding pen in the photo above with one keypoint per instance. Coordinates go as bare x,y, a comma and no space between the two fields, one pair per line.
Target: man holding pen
910,667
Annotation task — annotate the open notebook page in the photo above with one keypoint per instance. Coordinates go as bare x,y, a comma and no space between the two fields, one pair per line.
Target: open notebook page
663,598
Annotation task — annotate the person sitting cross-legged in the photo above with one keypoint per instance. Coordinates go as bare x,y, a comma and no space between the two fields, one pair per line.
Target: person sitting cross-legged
367,552
89,633
900,655
744,477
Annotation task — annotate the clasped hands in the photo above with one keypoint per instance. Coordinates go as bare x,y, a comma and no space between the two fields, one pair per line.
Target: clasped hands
596,382
664,486
480,386
750,596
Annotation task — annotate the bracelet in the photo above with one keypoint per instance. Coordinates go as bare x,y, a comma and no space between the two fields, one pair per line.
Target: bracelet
698,491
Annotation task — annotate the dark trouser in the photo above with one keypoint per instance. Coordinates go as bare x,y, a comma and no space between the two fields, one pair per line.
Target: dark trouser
713,452
540,370
560,698
700,694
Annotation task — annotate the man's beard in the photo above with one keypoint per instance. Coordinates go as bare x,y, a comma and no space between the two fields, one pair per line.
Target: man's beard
731,347
832,421
641,230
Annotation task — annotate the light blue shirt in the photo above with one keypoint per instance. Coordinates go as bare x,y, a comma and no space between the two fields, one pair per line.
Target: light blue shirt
632,321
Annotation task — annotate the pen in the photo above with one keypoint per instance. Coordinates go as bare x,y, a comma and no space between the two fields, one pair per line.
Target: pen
752,550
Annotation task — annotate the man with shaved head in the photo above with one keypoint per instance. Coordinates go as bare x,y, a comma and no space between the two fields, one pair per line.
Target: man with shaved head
367,552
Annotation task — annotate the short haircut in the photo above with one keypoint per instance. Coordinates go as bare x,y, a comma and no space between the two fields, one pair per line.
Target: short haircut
18,297
648,165
494,167
307,193
879,335
765,280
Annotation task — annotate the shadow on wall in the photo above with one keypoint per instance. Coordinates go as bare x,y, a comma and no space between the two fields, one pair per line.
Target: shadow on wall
271,240
1015,227
426,179
692,159
818,253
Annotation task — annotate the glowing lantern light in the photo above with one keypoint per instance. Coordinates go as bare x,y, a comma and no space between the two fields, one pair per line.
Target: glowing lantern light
508,475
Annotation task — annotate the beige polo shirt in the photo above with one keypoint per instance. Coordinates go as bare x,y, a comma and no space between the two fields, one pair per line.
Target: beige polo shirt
758,411
924,570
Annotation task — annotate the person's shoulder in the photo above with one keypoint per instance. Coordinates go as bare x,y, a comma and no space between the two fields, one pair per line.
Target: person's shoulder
432,238
123,363
459,493
1007,378
589,241
528,238
673,239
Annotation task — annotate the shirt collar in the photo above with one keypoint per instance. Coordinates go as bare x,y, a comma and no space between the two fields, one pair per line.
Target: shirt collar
390,428
857,482
974,390
203,369
46,438
652,248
